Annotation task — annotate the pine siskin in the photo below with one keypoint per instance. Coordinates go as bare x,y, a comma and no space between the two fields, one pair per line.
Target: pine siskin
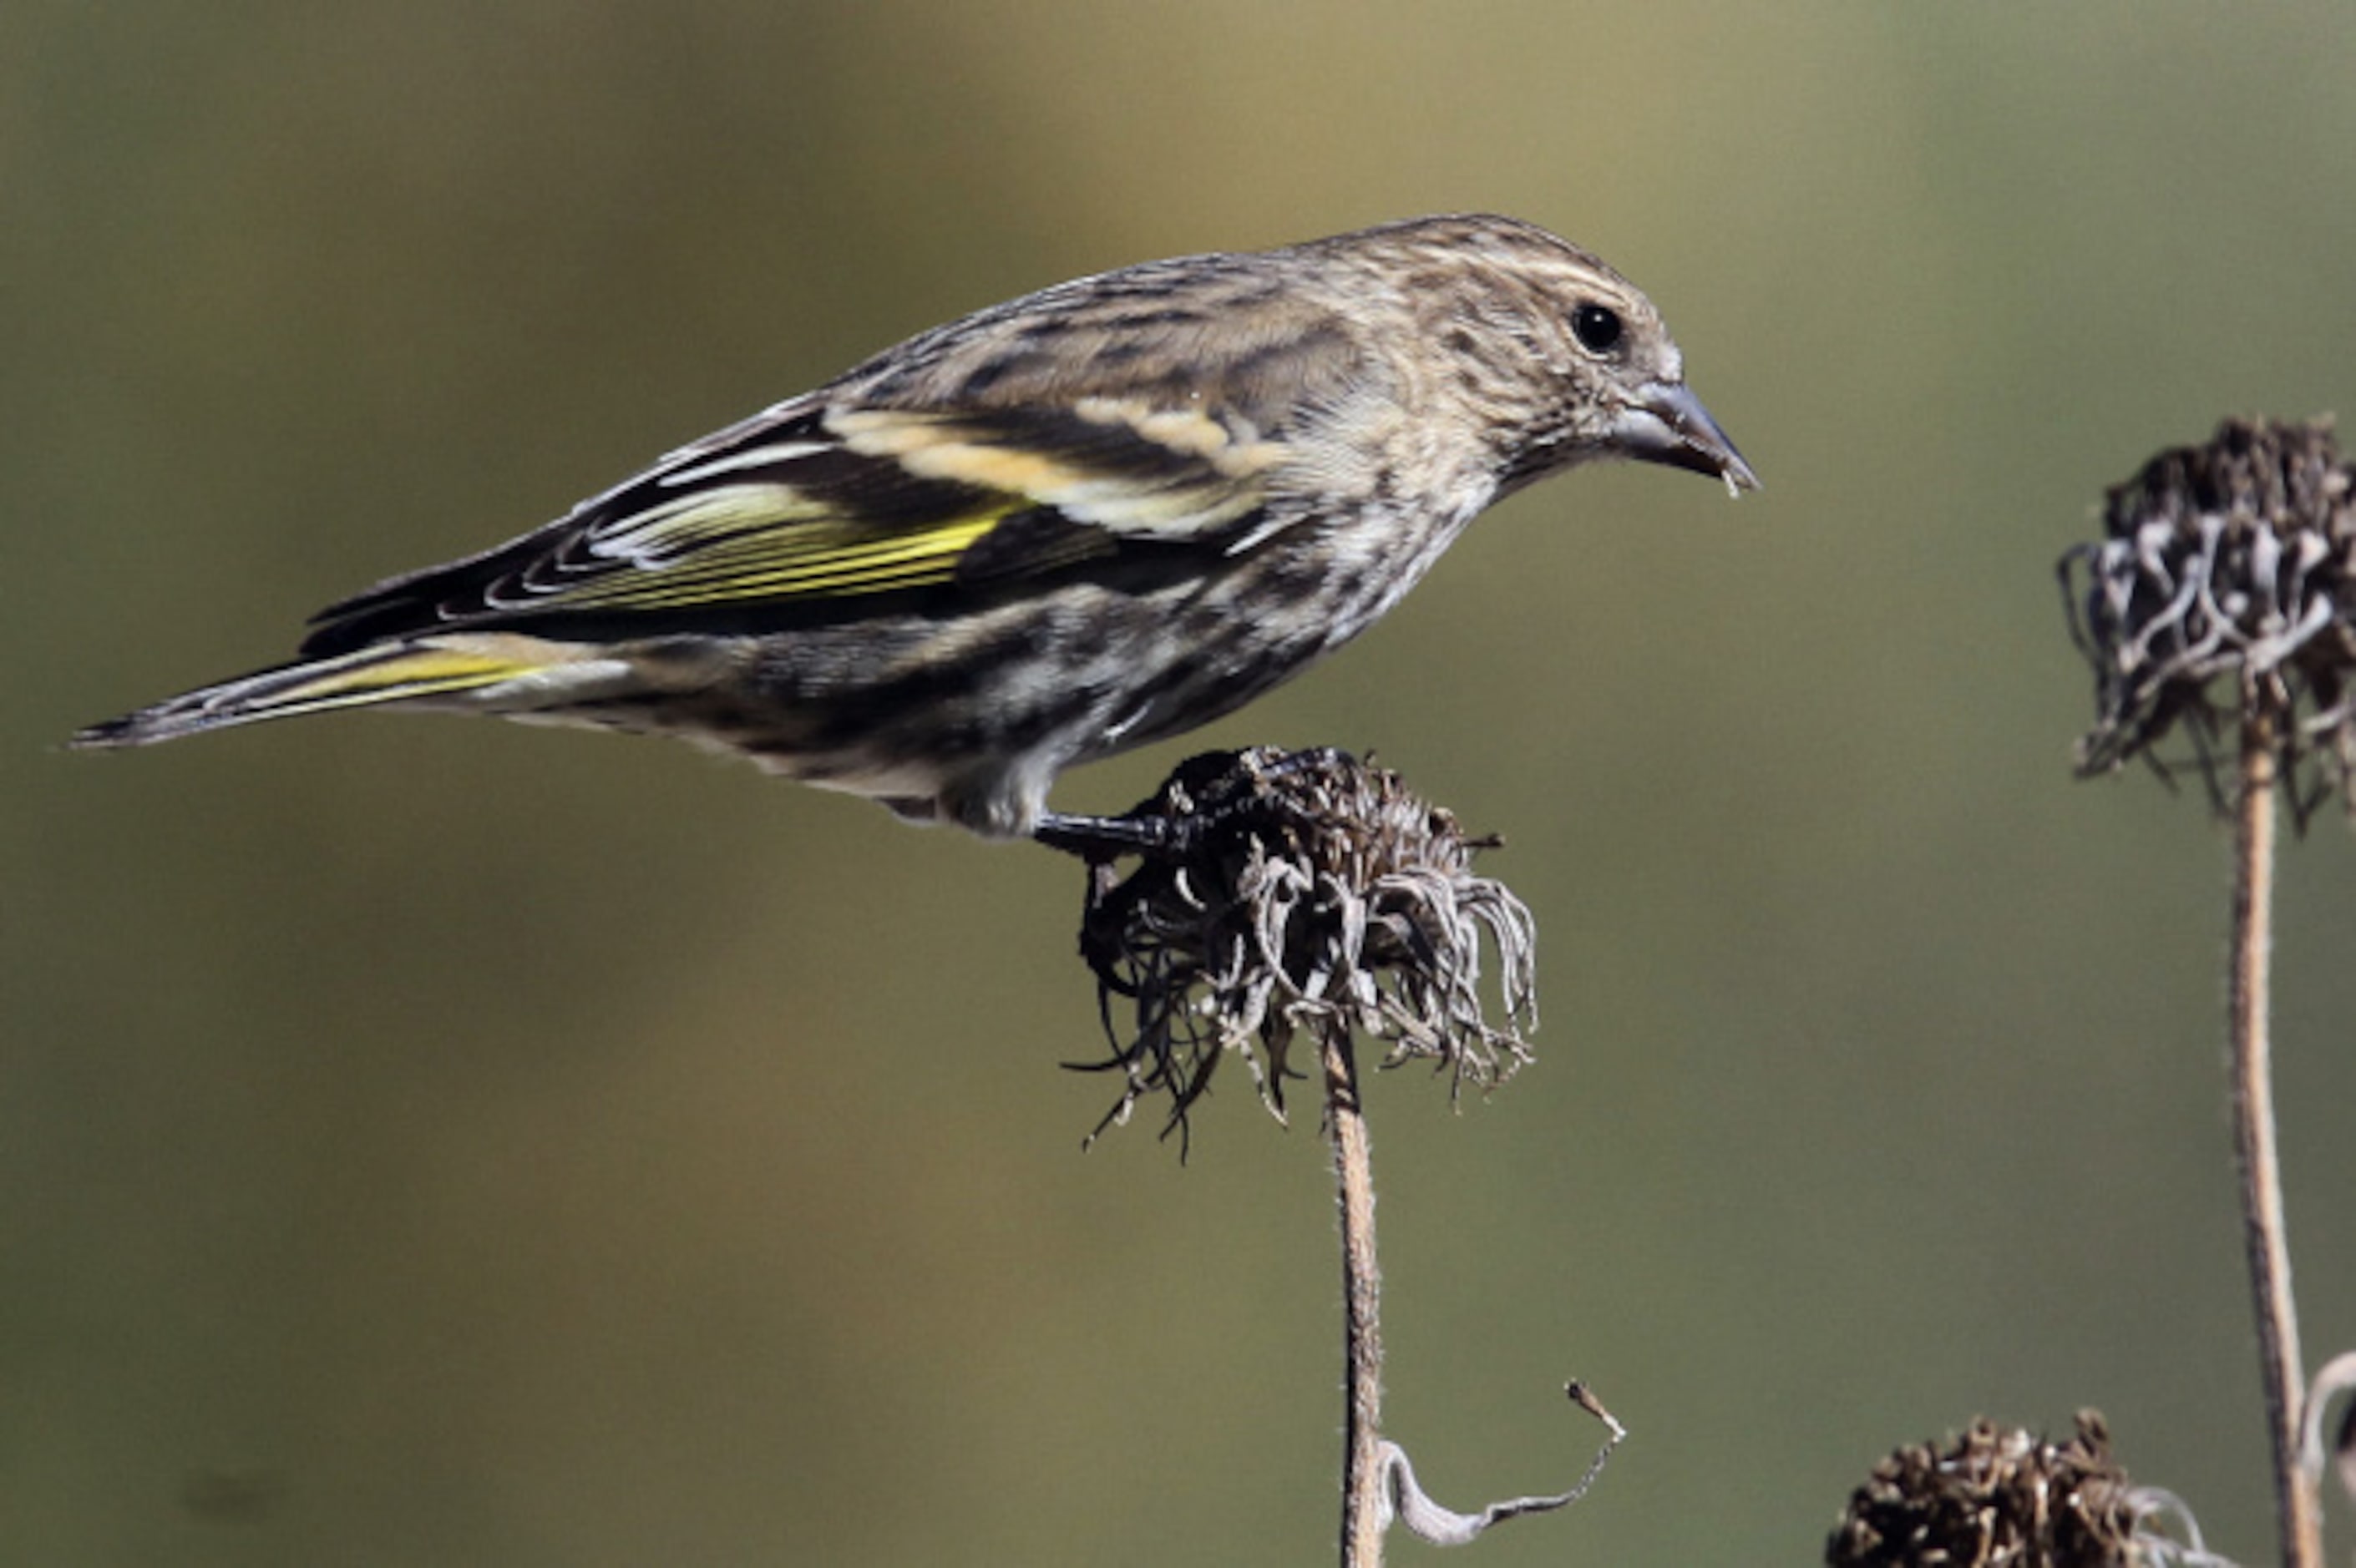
1061,526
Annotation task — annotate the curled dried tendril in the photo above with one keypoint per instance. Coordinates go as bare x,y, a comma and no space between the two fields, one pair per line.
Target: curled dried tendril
2224,592
1290,893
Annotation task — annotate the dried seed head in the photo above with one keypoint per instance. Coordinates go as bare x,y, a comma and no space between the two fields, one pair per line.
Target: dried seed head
1298,891
2224,591
2001,1498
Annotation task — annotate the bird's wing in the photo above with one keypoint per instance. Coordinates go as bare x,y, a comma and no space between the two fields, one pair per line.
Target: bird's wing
817,502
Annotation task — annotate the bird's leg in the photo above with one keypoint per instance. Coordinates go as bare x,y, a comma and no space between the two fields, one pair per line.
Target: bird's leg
1205,792
1098,839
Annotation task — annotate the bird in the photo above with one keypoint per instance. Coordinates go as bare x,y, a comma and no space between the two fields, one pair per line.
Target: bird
1086,519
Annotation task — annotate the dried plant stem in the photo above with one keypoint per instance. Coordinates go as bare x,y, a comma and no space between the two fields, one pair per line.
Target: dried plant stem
2296,1504
1363,1471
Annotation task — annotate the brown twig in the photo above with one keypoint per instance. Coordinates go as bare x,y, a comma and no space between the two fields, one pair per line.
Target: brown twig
2296,1504
1363,1514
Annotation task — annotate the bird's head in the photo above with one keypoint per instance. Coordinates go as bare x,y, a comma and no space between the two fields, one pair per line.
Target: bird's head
1555,358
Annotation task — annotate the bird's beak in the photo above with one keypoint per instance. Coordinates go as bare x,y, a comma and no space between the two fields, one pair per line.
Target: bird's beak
1666,423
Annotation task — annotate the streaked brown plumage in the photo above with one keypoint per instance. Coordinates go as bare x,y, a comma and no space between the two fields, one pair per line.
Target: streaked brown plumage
1085,519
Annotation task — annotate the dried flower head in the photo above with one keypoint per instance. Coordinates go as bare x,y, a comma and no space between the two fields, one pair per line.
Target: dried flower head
2224,591
2001,1497
1291,891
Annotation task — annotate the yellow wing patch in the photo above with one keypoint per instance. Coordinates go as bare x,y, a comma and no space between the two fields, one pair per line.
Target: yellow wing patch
1133,471
766,541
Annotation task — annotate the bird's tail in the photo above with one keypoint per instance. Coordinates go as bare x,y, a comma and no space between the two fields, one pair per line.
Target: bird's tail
411,672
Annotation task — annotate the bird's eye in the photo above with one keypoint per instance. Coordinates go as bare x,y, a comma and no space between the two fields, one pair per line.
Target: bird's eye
1597,327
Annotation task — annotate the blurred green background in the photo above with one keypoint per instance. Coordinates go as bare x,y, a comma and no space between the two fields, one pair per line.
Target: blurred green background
435,1142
